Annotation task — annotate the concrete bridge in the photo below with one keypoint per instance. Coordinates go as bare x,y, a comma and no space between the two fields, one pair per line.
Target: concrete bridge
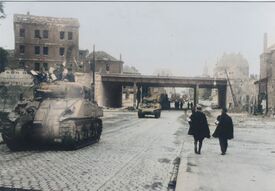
109,86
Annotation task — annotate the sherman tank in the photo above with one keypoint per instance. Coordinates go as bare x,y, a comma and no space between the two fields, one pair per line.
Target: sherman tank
149,106
61,113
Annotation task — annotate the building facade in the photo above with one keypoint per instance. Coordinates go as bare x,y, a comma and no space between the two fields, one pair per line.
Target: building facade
266,83
44,42
105,63
83,65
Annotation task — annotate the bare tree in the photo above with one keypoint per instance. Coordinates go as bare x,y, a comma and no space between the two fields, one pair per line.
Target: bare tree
3,59
3,52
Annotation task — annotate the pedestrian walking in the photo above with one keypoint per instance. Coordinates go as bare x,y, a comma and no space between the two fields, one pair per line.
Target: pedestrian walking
224,130
198,128
181,104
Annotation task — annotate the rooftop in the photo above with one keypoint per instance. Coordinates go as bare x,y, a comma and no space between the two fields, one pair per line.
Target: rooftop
101,55
32,19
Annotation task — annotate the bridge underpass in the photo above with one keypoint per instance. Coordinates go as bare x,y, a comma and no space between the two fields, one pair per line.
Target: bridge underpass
109,86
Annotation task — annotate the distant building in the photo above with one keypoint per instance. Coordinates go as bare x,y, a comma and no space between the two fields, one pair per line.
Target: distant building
44,42
130,70
83,61
105,63
237,68
266,83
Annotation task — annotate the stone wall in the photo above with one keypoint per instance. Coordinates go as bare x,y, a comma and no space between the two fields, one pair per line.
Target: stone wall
99,93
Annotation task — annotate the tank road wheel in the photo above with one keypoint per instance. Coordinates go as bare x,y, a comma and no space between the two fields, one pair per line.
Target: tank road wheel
77,137
98,129
140,115
8,136
17,136
75,143
157,114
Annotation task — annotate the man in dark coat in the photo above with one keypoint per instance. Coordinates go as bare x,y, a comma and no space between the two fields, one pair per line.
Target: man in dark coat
198,128
224,130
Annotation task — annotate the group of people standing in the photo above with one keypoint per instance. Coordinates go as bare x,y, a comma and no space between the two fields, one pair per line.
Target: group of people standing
199,129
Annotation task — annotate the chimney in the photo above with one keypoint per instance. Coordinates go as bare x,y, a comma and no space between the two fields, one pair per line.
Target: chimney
265,41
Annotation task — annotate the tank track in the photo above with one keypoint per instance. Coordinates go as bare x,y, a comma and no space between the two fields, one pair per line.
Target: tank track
86,132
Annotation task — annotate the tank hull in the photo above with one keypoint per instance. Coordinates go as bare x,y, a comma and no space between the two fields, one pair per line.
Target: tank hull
81,132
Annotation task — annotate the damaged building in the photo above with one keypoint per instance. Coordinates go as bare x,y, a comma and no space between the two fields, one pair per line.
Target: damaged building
266,83
44,42
235,68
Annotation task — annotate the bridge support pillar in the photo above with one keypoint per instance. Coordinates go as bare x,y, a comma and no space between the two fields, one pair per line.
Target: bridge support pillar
196,97
112,95
222,96
135,95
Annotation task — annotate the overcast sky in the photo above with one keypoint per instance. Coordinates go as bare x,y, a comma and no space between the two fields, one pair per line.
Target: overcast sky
179,36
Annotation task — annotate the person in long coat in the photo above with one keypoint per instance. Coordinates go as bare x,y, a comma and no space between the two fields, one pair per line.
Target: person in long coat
198,128
224,130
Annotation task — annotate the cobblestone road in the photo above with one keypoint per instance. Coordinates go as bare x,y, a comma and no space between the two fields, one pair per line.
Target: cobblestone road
133,154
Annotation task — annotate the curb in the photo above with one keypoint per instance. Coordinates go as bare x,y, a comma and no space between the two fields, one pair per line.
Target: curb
181,171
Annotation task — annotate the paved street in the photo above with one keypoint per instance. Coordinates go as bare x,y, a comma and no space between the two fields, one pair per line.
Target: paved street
248,165
138,154
133,154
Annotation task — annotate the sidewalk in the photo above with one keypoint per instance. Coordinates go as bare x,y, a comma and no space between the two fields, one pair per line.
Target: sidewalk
249,164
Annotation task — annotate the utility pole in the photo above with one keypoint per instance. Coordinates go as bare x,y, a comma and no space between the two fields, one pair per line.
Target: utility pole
233,95
93,67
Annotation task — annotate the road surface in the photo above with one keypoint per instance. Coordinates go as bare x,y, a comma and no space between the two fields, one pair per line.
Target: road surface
133,154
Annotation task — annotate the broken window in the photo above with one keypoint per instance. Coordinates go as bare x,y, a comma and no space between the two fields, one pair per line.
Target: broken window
45,50
37,66
45,33
70,36
107,67
37,34
22,65
61,51
45,66
62,35
22,49
36,50
22,32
